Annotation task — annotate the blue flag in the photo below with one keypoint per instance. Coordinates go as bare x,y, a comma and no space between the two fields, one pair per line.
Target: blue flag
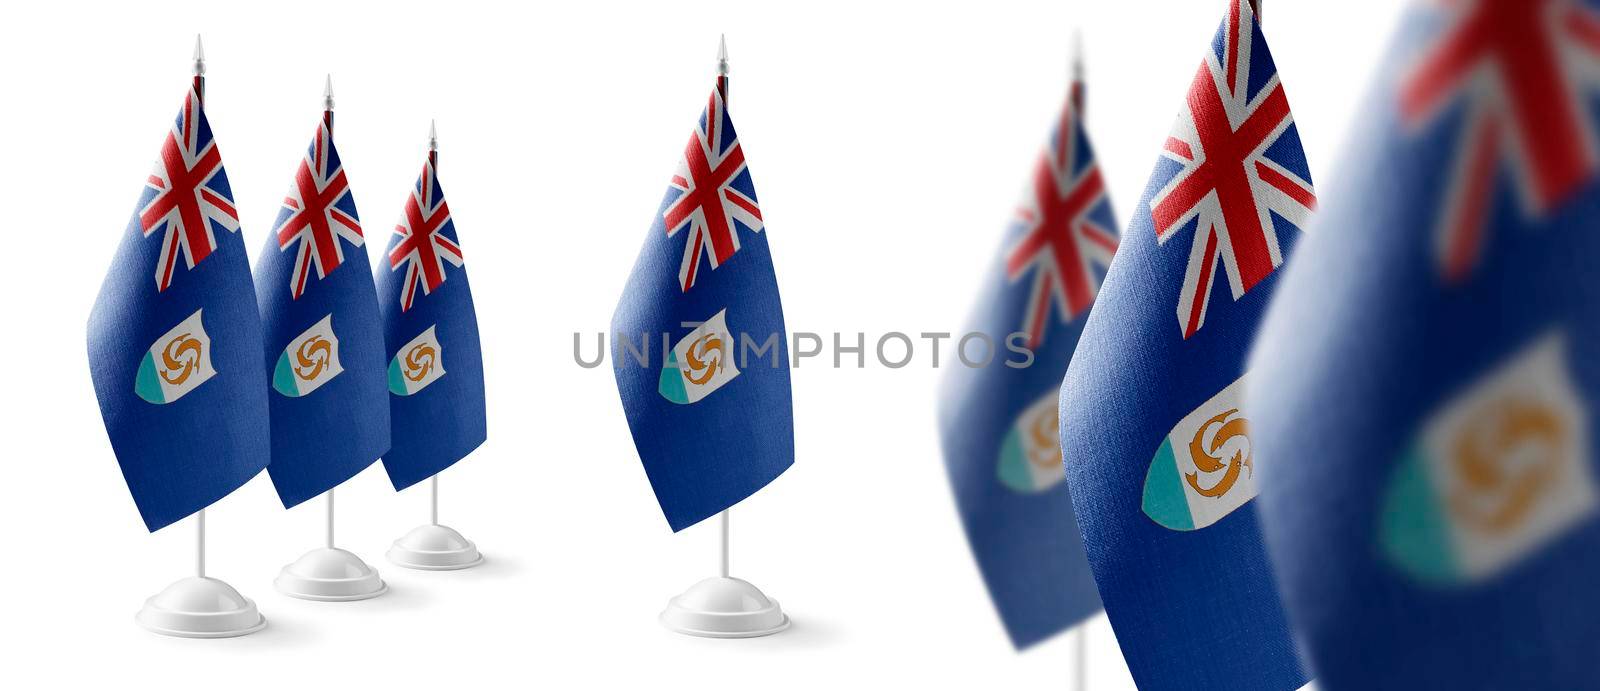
435,364
1428,382
1155,439
998,422
174,338
325,349
700,352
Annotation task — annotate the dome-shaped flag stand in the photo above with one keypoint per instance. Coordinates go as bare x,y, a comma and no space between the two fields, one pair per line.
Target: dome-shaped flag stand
724,607
200,607
434,547
330,574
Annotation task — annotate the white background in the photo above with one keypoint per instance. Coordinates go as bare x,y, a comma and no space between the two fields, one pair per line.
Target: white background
889,143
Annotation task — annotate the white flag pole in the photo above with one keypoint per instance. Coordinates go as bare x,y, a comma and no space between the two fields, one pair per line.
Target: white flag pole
199,606
725,542
329,544
200,544
723,606
433,500
1080,657
1077,98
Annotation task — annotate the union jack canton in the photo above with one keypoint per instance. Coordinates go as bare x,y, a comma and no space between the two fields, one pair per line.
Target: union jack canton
317,214
1229,145
1525,72
420,243
1067,241
187,198
711,196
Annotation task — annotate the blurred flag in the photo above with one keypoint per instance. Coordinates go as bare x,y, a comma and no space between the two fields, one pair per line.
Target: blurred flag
1428,382
998,423
701,357
1156,442
325,350
174,338
435,366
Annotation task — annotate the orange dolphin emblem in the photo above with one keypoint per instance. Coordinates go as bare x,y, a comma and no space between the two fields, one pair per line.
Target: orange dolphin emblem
1206,460
704,357
181,358
1495,495
419,361
312,357
1044,430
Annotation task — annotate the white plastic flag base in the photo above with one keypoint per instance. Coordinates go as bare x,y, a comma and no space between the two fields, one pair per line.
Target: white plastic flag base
434,548
724,608
330,574
197,607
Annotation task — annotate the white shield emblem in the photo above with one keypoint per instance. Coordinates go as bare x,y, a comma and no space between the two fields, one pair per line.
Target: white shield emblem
178,362
417,364
309,361
700,363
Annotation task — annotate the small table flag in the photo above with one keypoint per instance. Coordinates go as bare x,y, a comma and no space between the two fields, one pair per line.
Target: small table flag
1153,427
1429,374
998,423
325,351
174,337
711,426
434,360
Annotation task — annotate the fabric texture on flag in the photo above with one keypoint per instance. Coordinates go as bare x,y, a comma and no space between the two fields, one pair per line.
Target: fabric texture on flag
1430,372
1153,432
324,337
998,423
700,352
435,361
174,338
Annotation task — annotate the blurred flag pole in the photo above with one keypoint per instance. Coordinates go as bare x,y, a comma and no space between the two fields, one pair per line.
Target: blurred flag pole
1080,633
1080,657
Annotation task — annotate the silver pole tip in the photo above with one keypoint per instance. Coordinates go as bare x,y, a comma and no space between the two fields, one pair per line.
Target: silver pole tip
199,57
327,93
722,55
1077,54
433,135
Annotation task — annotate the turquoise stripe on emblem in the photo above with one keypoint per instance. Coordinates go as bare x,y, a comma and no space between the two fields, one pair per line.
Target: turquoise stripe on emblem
671,386
1412,528
283,380
146,383
1164,500
397,383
